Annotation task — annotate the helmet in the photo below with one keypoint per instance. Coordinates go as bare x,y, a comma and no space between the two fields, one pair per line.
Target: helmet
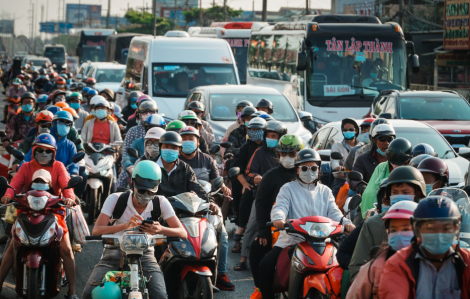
71,111
436,207
171,138
147,106
265,104
187,114
46,140
399,151
367,122
54,109
423,148
199,106
90,81
154,120
350,121
414,162
406,174
17,81
52,75
64,115
276,126
92,92
154,133
248,111
85,89
257,123
28,95
42,98
21,77
73,86
147,175
259,114
134,95
437,166
107,290
401,210
244,104
44,116
109,92
290,143
143,97
80,86
61,104
117,111
60,80
307,155
100,101
175,126
189,131
75,95
383,130
378,121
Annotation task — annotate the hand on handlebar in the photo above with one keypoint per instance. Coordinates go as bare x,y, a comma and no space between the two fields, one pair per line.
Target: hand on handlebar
279,223
226,191
6,143
213,208
69,202
257,179
348,228
6,200
14,167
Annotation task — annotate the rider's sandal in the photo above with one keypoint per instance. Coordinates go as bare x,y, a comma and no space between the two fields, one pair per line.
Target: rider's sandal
71,296
236,248
241,266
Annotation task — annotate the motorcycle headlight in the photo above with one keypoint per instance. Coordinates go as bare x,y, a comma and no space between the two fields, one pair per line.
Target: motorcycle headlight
209,243
184,248
104,172
48,235
134,242
318,230
37,203
21,235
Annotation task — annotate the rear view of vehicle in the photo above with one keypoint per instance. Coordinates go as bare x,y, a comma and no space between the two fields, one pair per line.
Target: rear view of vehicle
107,75
56,54
91,46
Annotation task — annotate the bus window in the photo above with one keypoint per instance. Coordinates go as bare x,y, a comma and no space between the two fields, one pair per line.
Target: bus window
253,53
266,49
292,47
279,56
133,72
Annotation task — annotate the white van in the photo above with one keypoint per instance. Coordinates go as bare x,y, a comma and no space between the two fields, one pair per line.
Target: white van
167,68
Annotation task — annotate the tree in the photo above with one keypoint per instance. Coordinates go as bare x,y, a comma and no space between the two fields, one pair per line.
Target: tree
209,15
145,22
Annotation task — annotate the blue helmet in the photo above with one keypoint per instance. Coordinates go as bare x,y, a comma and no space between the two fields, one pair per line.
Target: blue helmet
64,115
85,89
42,98
154,120
107,290
423,148
46,140
436,208
54,109
92,92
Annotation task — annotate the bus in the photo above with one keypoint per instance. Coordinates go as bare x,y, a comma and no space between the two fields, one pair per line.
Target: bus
332,66
237,34
117,46
91,44
56,54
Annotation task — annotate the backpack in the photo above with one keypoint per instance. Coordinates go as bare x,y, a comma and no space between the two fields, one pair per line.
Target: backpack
121,206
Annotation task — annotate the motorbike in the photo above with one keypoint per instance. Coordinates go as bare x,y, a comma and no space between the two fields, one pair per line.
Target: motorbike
99,164
133,243
313,271
36,242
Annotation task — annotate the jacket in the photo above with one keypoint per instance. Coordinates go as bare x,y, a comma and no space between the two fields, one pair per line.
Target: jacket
15,93
262,160
365,164
82,114
369,197
137,144
18,127
87,131
356,152
72,136
366,284
91,116
127,111
207,133
238,137
347,246
401,272
372,234
244,155
232,127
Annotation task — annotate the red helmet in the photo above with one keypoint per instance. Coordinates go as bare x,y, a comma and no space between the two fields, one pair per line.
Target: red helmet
44,116
189,131
367,122
90,81
437,166
21,77
52,75
60,80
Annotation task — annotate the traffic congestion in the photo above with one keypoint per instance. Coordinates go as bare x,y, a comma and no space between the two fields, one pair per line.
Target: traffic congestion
242,160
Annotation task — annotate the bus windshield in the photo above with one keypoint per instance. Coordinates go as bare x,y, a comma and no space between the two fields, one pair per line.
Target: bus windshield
93,54
55,54
240,51
348,66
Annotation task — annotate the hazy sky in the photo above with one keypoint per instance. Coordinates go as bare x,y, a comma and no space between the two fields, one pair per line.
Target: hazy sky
20,9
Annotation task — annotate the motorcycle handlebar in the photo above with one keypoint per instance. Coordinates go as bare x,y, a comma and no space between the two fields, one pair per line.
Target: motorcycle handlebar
93,238
172,239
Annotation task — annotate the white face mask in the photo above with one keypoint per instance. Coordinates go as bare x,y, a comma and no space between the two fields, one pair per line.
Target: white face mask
308,177
152,150
287,162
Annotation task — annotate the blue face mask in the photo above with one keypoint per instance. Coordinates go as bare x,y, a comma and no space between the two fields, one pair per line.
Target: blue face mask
400,197
385,208
62,130
247,123
256,136
26,117
101,114
429,188
400,240
93,112
40,186
380,152
27,108
169,155
134,106
437,243
373,75
271,143
74,105
349,135
189,146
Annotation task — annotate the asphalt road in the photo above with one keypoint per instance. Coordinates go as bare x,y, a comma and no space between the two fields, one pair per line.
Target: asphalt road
91,253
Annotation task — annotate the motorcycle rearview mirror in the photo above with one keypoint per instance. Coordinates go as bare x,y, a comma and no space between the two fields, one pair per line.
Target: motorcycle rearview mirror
215,149
226,144
217,184
132,152
77,142
336,156
4,182
2,134
233,172
78,157
74,182
15,153
354,202
355,176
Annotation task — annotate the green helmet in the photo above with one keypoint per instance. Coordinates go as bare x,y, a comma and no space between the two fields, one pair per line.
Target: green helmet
75,95
175,126
290,143
187,114
107,290
147,175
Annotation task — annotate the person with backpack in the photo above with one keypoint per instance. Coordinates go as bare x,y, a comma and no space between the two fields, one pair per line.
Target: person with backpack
239,122
128,210
238,136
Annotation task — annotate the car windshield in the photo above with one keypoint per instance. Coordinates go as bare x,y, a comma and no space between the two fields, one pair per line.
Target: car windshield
109,75
55,53
38,62
433,108
222,106
93,54
177,79
429,136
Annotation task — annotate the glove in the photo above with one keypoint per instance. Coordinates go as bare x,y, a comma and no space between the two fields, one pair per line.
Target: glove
130,169
360,189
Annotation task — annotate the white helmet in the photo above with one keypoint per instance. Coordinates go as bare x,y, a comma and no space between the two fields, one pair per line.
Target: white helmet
101,102
383,130
96,99
155,133
111,105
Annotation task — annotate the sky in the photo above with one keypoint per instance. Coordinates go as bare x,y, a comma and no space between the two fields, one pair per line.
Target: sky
21,9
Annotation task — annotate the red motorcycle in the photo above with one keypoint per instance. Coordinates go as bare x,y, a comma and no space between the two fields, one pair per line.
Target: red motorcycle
36,240
310,270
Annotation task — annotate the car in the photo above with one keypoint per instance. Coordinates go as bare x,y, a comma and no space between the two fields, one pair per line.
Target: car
37,61
415,131
221,100
107,75
447,111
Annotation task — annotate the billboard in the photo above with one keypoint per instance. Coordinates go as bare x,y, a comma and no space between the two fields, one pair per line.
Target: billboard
84,15
456,19
7,26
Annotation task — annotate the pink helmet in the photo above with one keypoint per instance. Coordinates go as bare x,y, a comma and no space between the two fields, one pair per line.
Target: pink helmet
401,210
142,97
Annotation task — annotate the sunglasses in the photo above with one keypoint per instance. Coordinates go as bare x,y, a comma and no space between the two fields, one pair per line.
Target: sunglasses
349,130
305,168
45,125
198,113
190,122
156,142
68,124
385,139
40,150
143,191
290,154
148,111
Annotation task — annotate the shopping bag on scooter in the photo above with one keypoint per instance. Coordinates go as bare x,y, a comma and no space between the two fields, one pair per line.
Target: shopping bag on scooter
122,278
80,227
11,214
281,278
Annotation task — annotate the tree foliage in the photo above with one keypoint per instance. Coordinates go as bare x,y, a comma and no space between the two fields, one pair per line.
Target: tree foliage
209,15
145,20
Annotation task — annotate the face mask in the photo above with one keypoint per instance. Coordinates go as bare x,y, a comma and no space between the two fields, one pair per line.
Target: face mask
287,162
27,117
134,106
93,112
373,75
349,135
308,177
101,114
60,85
43,158
364,138
27,108
75,106
142,199
400,240
400,197
63,130
144,117
385,208
271,143
44,130
152,150
68,81
189,147
169,155
380,152
40,186
239,115
256,136
247,123
437,243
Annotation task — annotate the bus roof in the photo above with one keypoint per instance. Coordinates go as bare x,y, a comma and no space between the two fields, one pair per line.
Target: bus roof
96,32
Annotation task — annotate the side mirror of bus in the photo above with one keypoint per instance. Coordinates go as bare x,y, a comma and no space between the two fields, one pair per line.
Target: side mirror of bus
301,61
414,63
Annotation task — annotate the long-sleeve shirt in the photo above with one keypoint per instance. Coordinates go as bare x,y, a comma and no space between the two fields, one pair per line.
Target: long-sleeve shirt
207,133
296,200
12,92
262,160
18,127
72,136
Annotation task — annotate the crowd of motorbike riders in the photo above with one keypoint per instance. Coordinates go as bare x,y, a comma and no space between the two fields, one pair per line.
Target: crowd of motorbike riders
399,243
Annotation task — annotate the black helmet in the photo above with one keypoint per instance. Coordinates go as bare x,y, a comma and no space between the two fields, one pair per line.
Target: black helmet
406,174
134,94
80,86
399,151
199,106
350,121
171,138
266,104
244,104
414,162
423,148
381,193
28,95
248,111
276,126
147,106
307,155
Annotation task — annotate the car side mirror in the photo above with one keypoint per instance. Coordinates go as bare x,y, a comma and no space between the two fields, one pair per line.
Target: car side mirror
78,157
355,176
15,153
336,156
354,202
233,172
132,152
74,182
215,149
414,63
464,152
2,134
226,144
301,61
385,115
217,184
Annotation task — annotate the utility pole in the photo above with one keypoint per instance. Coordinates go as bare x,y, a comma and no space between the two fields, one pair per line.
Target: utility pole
58,19
107,15
42,16
265,11
402,14
201,23
225,10
154,3
176,11
78,20
253,11
306,8
32,27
